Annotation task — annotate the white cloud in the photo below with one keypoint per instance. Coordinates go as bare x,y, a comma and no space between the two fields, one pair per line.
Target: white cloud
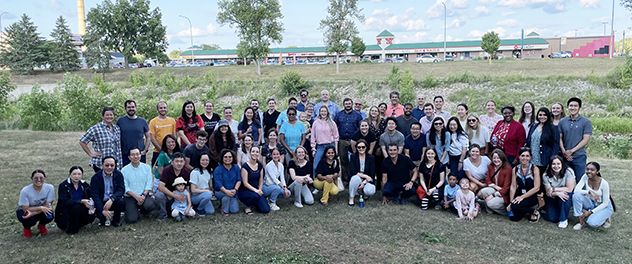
435,10
58,5
513,3
508,23
507,13
382,12
457,22
476,34
484,2
600,19
439,38
459,4
481,11
418,37
549,6
589,4
197,32
384,18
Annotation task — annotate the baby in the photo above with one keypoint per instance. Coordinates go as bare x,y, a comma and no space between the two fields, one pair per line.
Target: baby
465,202
304,118
449,192
180,210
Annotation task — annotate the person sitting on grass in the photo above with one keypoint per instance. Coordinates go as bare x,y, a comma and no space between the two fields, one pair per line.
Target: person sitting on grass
449,192
201,193
169,147
525,184
559,182
498,181
251,191
227,179
465,201
180,210
74,205
592,203
300,170
274,186
362,167
165,195
432,173
107,189
35,204
327,173
397,182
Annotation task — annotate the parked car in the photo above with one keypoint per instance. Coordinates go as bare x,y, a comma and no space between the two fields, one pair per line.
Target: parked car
567,54
377,61
132,65
400,60
301,62
388,60
449,58
366,59
426,59
556,55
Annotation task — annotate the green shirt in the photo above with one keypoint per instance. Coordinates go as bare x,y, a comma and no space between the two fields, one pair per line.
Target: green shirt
164,160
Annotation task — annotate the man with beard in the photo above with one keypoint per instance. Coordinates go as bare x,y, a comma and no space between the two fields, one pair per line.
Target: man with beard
404,121
133,128
348,122
159,127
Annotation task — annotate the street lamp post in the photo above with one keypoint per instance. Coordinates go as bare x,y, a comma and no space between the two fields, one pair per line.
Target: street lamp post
190,29
1,30
612,32
604,27
445,15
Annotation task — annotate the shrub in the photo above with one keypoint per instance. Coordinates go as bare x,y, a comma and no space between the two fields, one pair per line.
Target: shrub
5,88
291,82
393,78
620,146
407,83
621,76
430,81
612,124
103,87
41,110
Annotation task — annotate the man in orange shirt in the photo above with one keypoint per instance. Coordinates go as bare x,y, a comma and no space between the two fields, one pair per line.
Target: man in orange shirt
159,127
394,109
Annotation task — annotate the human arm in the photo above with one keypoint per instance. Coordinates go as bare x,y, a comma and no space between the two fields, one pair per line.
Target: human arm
147,143
282,141
457,203
163,188
87,150
353,147
472,179
605,194
260,137
581,144
189,204
183,137
579,188
187,163
154,142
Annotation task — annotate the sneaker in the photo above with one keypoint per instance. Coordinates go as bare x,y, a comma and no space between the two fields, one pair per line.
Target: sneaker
563,224
201,212
108,222
299,205
179,218
213,198
274,207
403,201
608,223
27,233
437,207
42,229
116,224
315,191
578,226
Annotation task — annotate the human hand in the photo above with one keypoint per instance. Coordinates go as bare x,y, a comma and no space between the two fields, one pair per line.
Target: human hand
140,200
488,198
460,165
300,180
286,193
459,218
368,179
95,154
469,217
408,186
508,207
329,178
446,205
562,195
384,200
86,203
107,205
361,186
259,192
594,195
106,213
517,200
180,197
568,155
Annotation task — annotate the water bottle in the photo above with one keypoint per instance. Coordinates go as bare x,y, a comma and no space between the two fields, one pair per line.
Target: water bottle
361,201
92,209
494,141
510,214
50,215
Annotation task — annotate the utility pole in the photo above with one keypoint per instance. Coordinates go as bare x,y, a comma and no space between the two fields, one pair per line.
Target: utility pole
445,23
575,32
612,32
191,29
604,27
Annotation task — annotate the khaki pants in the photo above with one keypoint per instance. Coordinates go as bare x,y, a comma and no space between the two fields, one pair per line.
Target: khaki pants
497,203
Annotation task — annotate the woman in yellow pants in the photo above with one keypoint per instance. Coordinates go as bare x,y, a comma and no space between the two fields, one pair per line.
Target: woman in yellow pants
327,174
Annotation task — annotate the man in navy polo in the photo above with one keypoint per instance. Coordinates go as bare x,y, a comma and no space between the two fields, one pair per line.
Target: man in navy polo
133,129
348,122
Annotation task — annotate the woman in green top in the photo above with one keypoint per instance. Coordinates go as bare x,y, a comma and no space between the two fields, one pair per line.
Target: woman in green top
169,146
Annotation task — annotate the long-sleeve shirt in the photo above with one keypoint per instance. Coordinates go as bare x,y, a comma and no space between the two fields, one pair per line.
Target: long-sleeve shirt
137,180
603,192
348,123
226,178
440,147
333,109
464,202
323,133
274,175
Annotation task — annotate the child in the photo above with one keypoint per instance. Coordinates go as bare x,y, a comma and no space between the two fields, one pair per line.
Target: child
304,118
449,192
181,209
465,202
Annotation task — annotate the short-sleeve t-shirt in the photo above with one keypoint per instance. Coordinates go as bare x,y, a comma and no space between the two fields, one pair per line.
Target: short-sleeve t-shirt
209,124
132,132
190,128
555,182
30,197
307,169
254,127
450,192
200,179
397,138
193,153
479,172
266,151
400,172
293,134
369,138
168,176
162,128
164,160
325,168
432,175
483,136
415,146
573,132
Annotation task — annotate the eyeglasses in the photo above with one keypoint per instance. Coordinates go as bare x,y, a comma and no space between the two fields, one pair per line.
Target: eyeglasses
109,165
291,114
471,120
303,95
438,124
201,139
361,147
358,103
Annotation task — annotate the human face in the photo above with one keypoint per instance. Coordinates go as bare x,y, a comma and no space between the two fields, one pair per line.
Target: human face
421,101
291,116
272,137
525,158
382,109
465,185
408,110
331,154
361,147
556,109
460,110
415,130
108,117
438,125
324,95
38,180
431,154
438,102
248,141
348,105
208,108
254,104
304,97
108,166
303,117
472,122
189,109
556,166
300,153
542,117
508,115
429,111
171,144
204,161
452,181
323,112
475,153
496,160
228,114
591,171
249,114
130,109
134,156
374,112
271,105
393,151
201,141
292,103
490,107
357,105
276,156
254,153
453,126
573,108
391,125
394,99
227,159
162,109
527,108
178,163
75,176
223,129
364,127
180,187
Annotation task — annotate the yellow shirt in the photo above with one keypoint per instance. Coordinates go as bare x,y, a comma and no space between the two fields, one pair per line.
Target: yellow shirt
162,128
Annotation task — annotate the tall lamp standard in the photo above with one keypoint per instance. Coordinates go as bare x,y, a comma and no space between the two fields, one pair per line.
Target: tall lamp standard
445,10
190,29
612,32
604,27
1,20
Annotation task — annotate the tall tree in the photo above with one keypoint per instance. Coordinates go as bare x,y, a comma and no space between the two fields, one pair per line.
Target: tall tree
175,54
127,26
258,24
357,47
21,47
63,55
98,57
490,44
211,47
339,26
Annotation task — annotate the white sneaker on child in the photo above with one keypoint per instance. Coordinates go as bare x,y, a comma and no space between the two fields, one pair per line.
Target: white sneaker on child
608,222
563,224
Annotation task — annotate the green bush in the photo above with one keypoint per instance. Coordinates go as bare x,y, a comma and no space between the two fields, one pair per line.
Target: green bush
291,82
430,81
407,83
84,104
393,78
103,87
612,124
5,88
620,146
41,110
621,76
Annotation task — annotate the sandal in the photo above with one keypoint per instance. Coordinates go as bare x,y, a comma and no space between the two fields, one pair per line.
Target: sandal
223,213
324,203
249,211
537,217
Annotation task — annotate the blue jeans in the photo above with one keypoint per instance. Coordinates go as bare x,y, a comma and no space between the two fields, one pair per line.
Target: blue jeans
273,191
596,219
320,149
203,201
394,190
558,210
229,204
578,165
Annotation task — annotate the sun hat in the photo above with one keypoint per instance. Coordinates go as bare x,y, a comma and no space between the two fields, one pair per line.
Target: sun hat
179,180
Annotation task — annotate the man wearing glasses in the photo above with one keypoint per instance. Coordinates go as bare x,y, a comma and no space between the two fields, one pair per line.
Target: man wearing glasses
304,101
192,152
106,140
394,109
357,106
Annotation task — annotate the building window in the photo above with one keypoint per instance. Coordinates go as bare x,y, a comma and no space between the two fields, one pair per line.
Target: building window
604,50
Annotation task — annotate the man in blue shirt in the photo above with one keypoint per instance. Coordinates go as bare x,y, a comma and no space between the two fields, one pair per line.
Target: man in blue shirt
304,100
348,122
138,184
575,132
107,189
333,108
357,106
418,112
133,128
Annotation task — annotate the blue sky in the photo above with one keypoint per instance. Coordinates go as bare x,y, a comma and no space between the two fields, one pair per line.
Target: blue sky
410,21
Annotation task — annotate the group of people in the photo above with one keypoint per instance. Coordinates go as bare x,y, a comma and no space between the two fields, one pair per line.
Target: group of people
525,168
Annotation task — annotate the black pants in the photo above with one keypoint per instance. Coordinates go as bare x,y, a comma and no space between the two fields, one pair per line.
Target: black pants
523,208
31,221
132,208
118,206
77,218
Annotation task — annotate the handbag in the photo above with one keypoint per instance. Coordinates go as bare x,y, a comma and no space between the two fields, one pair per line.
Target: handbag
420,190
339,184
154,168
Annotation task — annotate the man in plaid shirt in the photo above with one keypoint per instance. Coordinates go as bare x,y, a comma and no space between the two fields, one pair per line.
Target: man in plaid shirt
106,140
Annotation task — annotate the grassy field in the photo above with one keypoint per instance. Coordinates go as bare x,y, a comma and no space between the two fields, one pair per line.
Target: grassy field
531,68
314,234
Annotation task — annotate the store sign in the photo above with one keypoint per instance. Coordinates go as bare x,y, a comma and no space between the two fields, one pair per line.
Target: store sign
428,50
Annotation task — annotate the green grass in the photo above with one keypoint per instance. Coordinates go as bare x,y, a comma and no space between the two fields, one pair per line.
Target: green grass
314,234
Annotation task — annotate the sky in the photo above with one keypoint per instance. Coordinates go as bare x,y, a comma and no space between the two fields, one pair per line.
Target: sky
409,21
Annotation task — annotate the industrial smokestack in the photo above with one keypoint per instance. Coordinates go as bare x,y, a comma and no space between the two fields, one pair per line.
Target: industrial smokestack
82,17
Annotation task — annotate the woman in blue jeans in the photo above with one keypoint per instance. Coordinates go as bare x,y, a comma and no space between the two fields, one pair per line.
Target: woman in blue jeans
559,182
324,134
201,193
591,202
227,179
274,186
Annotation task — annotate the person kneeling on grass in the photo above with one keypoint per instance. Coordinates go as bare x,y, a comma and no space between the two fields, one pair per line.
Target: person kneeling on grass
180,210
251,191
525,183
35,204
362,167
397,182
465,201
107,189
75,207
327,174
274,186
227,177
166,190
201,193
449,192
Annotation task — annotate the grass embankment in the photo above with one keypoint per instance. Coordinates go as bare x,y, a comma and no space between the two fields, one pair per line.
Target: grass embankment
314,234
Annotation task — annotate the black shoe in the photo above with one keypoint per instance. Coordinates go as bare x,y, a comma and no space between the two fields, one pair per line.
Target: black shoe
116,224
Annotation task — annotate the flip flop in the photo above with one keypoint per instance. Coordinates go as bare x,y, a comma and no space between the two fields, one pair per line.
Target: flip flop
249,211
537,217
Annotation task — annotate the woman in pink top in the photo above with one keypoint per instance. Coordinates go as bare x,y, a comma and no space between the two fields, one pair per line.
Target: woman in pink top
324,133
491,118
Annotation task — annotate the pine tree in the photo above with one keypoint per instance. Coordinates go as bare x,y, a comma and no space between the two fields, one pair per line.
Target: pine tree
63,55
21,47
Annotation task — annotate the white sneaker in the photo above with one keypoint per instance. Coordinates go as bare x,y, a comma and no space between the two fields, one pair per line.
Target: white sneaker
299,205
578,226
563,224
608,223
108,222
315,191
274,207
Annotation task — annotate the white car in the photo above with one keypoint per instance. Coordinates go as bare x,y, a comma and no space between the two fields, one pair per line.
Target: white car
426,58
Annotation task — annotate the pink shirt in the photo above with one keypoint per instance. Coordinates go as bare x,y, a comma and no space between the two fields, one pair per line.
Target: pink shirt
323,133
399,110
490,122
464,202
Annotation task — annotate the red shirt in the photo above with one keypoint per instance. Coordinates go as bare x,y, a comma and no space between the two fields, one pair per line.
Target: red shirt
195,123
514,139
399,110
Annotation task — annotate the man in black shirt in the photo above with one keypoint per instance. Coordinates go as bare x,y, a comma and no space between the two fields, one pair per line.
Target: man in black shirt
270,117
396,176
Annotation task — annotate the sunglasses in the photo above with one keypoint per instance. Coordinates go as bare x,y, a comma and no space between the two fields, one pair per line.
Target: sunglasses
361,147
291,114
303,95
471,120
438,124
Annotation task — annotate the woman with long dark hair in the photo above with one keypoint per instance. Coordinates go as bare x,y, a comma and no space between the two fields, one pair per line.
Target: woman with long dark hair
525,184
526,115
559,183
440,139
327,173
432,178
222,138
251,190
169,146
591,200
201,193
459,142
543,139
74,203
249,126
188,124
